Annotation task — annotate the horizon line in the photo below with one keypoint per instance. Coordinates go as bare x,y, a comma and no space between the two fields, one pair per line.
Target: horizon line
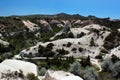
32,14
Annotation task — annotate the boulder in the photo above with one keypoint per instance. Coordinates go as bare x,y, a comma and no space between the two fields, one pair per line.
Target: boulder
17,65
60,75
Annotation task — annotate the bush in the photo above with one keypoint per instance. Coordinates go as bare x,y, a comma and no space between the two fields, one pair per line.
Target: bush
42,71
111,36
70,35
114,58
41,50
69,44
79,43
74,49
4,48
64,45
31,76
92,42
98,56
80,35
49,54
50,45
107,65
85,61
116,69
96,31
90,74
62,51
75,68
80,49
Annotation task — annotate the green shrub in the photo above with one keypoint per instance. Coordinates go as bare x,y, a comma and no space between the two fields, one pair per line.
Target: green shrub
116,69
107,65
114,58
92,43
85,61
50,45
80,49
69,44
62,51
90,74
98,56
80,35
74,49
42,71
31,76
75,68
70,35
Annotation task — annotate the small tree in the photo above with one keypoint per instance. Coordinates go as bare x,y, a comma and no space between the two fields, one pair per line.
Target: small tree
31,76
107,65
80,35
69,44
85,61
114,58
75,68
74,49
116,69
41,50
92,42
90,74
70,35
62,51
30,55
50,45
42,71
80,49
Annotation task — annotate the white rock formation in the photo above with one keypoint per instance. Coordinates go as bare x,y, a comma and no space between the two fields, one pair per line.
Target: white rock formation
60,75
83,42
78,22
67,26
45,24
17,65
31,26
55,22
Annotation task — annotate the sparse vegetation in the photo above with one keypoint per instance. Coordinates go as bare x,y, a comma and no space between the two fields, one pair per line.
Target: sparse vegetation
80,49
74,49
91,74
99,56
80,35
92,43
42,71
62,52
31,76
69,44
20,37
75,68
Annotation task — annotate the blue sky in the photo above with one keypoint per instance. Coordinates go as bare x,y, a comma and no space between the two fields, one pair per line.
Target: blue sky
99,8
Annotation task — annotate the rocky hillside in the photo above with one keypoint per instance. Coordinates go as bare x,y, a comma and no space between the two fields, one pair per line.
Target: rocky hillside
61,40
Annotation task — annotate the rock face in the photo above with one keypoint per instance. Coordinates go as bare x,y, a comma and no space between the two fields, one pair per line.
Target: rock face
60,75
56,23
44,25
89,38
31,26
17,65
67,26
